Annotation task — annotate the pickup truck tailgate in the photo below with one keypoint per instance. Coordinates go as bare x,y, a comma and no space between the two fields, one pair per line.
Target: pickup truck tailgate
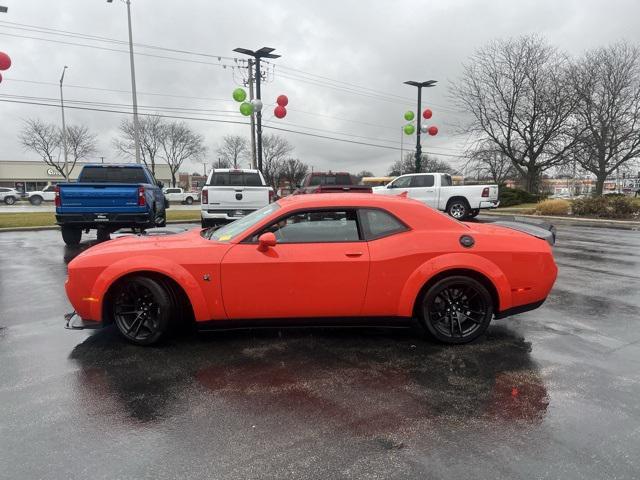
241,197
81,197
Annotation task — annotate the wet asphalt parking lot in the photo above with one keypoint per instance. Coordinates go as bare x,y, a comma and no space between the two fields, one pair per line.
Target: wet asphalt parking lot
553,393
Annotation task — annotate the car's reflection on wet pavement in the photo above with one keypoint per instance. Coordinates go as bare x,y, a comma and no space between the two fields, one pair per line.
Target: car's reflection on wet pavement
548,394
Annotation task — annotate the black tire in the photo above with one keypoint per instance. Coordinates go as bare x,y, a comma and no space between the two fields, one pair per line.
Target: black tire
103,235
142,308
474,213
456,309
458,208
10,200
71,235
189,200
35,200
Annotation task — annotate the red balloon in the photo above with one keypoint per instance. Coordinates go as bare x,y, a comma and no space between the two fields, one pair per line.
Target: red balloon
5,61
280,111
427,114
282,101
433,131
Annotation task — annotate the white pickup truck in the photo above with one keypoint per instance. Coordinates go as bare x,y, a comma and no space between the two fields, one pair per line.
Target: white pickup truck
233,193
178,195
437,191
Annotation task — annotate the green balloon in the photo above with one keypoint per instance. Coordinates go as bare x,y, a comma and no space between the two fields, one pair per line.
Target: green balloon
239,95
246,109
409,129
408,116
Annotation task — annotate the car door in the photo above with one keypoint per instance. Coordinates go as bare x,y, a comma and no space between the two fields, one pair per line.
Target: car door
318,268
423,189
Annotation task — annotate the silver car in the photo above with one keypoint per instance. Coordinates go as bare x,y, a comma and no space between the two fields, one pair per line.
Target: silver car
9,195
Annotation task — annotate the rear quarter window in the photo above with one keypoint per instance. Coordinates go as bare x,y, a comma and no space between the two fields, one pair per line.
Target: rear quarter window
379,223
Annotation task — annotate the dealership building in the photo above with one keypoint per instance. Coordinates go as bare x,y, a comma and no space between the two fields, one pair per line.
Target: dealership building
29,176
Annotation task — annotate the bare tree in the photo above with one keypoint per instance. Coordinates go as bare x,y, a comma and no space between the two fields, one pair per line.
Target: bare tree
45,139
518,94
150,131
294,171
429,164
607,85
486,161
180,143
233,149
275,149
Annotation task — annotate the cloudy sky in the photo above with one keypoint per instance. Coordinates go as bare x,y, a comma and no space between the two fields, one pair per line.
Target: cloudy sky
343,65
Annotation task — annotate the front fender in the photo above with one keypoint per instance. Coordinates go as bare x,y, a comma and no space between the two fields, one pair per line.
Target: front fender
149,263
452,261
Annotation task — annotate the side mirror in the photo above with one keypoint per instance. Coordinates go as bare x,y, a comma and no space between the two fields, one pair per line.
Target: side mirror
266,240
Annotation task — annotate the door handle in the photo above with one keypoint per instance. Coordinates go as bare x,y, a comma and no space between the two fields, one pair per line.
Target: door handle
353,254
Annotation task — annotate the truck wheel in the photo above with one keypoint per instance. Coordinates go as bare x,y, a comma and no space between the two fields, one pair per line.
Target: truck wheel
10,200
35,200
189,201
458,209
71,235
103,235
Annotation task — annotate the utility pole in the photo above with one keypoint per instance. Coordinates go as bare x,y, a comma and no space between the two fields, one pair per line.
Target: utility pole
136,123
401,148
428,83
253,122
264,52
64,128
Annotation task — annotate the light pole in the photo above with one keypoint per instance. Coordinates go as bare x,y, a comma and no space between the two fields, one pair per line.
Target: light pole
64,128
264,52
428,83
136,125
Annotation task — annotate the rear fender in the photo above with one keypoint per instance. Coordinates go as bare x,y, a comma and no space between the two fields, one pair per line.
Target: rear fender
149,264
453,261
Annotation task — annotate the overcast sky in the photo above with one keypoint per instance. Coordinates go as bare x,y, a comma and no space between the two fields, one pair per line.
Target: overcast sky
330,50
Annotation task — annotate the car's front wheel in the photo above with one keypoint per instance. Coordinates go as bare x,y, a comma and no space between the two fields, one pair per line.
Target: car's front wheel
141,308
456,309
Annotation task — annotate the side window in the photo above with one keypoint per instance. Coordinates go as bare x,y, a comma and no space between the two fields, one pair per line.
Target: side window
402,182
422,181
50,188
173,190
3,190
379,223
315,226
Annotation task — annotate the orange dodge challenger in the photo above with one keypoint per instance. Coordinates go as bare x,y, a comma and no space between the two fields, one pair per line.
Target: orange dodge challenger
333,258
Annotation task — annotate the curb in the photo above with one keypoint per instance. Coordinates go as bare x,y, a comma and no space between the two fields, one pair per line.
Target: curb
56,227
576,221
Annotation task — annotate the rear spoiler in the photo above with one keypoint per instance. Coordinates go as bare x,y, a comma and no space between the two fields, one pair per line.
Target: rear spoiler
531,226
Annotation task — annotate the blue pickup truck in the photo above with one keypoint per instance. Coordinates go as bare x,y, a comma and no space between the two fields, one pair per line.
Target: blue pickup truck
108,197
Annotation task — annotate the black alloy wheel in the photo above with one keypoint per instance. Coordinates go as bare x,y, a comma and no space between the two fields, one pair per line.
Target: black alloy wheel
141,309
457,309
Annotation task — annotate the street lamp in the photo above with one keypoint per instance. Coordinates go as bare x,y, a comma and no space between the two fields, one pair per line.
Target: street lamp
136,125
264,52
64,128
428,83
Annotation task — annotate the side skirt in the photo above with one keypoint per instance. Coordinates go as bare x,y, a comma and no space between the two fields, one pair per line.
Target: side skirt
323,322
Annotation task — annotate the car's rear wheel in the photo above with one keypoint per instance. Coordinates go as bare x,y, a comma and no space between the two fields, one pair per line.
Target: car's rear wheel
189,201
456,309
142,308
71,235
35,200
9,200
458,208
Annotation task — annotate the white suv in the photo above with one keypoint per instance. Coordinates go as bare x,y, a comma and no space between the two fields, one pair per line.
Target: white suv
46,195
232,193
9,195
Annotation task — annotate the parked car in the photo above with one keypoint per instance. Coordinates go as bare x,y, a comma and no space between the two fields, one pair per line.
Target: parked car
48,194
330,182
232,193
437,191
338,257
9,195
178,195
108,197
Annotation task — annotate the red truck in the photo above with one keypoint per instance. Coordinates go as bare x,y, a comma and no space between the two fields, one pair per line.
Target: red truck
331,182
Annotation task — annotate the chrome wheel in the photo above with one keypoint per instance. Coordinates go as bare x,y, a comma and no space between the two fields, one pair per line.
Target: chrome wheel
458,210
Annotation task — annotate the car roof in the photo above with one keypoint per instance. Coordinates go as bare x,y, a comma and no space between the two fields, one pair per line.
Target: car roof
344,200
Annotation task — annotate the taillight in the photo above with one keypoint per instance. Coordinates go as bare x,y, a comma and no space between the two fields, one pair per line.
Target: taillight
270,196
205,196
58,200
142,201
485,192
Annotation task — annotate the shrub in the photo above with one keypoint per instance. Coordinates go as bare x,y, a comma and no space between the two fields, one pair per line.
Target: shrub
553,207
606,206
515,196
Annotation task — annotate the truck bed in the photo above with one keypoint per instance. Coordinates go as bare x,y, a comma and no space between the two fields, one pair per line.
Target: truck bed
100,198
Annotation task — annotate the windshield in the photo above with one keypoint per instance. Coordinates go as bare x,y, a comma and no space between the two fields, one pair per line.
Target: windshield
232,230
